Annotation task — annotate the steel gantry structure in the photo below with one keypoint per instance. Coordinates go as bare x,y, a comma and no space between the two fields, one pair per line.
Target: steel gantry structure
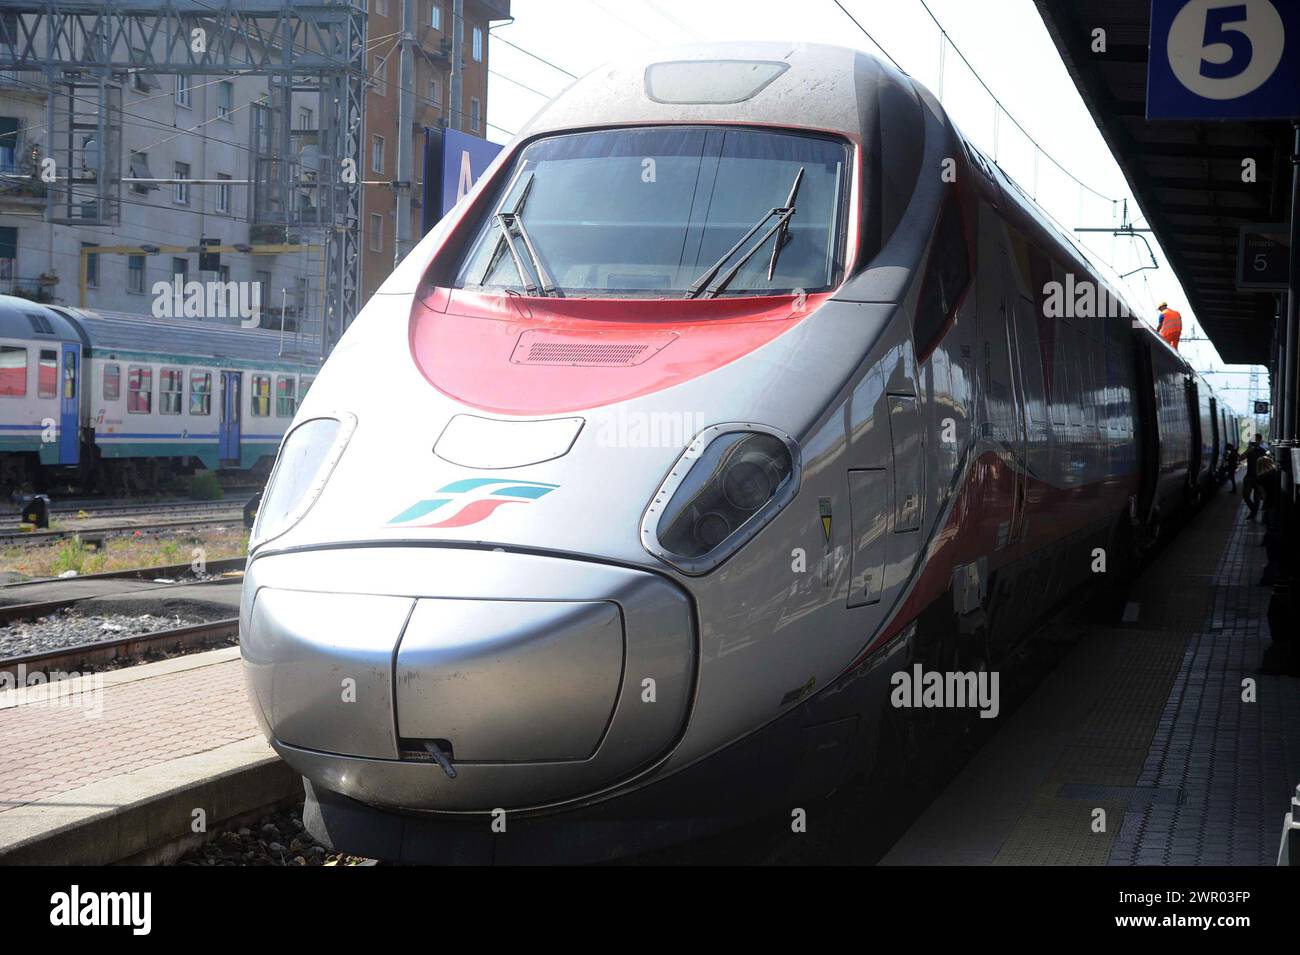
84,51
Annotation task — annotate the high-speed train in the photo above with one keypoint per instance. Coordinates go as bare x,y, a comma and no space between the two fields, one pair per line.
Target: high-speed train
739,383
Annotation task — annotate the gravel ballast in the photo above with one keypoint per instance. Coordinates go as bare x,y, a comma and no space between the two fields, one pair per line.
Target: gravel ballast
69,628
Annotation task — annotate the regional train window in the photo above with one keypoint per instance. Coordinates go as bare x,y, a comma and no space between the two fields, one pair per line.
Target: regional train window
13,371
139,390
307,383
171,389
285,396
200,392
261,397
947,273
112,382
47,374
649,211
69,375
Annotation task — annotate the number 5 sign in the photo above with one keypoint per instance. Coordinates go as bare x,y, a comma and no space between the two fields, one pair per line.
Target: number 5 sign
1224,59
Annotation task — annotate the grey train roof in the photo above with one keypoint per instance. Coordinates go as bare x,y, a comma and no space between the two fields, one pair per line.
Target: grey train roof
103,331
108,331
818,86
21,318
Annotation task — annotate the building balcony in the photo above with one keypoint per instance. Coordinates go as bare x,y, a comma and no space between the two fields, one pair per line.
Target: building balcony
19,186
36,288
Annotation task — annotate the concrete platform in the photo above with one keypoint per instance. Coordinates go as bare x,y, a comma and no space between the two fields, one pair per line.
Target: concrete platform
116,768
1146,722
209,601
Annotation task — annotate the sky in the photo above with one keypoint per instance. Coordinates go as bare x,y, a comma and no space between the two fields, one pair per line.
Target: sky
1005,41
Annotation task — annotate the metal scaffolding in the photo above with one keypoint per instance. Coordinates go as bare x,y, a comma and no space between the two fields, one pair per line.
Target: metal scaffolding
303,180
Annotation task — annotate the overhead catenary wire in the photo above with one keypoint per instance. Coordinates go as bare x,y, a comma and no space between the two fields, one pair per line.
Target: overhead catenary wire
1050,158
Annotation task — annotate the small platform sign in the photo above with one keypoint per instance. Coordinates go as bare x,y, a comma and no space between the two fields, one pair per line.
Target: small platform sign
1264,256
1224,59
1261,407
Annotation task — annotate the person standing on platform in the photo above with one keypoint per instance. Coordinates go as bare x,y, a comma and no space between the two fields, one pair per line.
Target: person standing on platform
1250,483
1230,463
1268,478
1170,326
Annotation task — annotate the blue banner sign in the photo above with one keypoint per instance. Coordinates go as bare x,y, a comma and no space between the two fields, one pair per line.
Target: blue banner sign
453,162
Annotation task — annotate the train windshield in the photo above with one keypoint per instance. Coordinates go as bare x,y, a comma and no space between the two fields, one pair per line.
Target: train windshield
649,212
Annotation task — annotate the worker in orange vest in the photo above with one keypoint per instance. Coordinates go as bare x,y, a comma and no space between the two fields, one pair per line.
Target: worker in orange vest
1170,326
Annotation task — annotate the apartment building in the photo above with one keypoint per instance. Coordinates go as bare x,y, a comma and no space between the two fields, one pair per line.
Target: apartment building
433,35
197,131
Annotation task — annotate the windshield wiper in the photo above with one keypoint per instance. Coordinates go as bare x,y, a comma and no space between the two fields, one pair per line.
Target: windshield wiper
510,222
780,230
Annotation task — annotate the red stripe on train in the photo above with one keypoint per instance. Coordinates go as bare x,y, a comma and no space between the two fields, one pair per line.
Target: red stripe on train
480,349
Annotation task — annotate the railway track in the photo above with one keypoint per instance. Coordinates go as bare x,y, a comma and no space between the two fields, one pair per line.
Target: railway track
99,505
129,510
107,652
10,536
220,566
39,608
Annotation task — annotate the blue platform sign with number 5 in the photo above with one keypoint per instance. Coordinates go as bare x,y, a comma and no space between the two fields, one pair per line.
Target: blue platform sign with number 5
1224,59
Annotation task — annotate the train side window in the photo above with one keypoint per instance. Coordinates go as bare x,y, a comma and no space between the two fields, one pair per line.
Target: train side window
1088,376
1031,363
260,399
286,399
112,382
1060,387
70,374
200,392
47,374
171,388
13,371
1073,360
947,274
139,390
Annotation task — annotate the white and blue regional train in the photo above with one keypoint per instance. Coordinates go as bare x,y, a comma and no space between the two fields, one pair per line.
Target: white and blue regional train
121,402
555,635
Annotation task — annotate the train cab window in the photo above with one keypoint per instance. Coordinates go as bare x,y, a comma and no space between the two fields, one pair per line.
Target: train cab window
260,399
69,374
139,390
13,371
947,273
200,392
112,382
286,402
47,374
666,212
171,389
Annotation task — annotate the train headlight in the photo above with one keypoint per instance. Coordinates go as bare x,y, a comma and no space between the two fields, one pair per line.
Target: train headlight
730,482
307,456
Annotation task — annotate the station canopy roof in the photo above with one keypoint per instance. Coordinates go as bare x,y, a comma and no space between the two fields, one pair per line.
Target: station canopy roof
1185,175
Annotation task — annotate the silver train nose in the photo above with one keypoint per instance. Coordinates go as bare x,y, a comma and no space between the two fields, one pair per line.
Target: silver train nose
540,679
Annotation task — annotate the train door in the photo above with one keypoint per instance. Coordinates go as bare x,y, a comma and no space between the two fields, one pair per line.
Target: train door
228,437
69,411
